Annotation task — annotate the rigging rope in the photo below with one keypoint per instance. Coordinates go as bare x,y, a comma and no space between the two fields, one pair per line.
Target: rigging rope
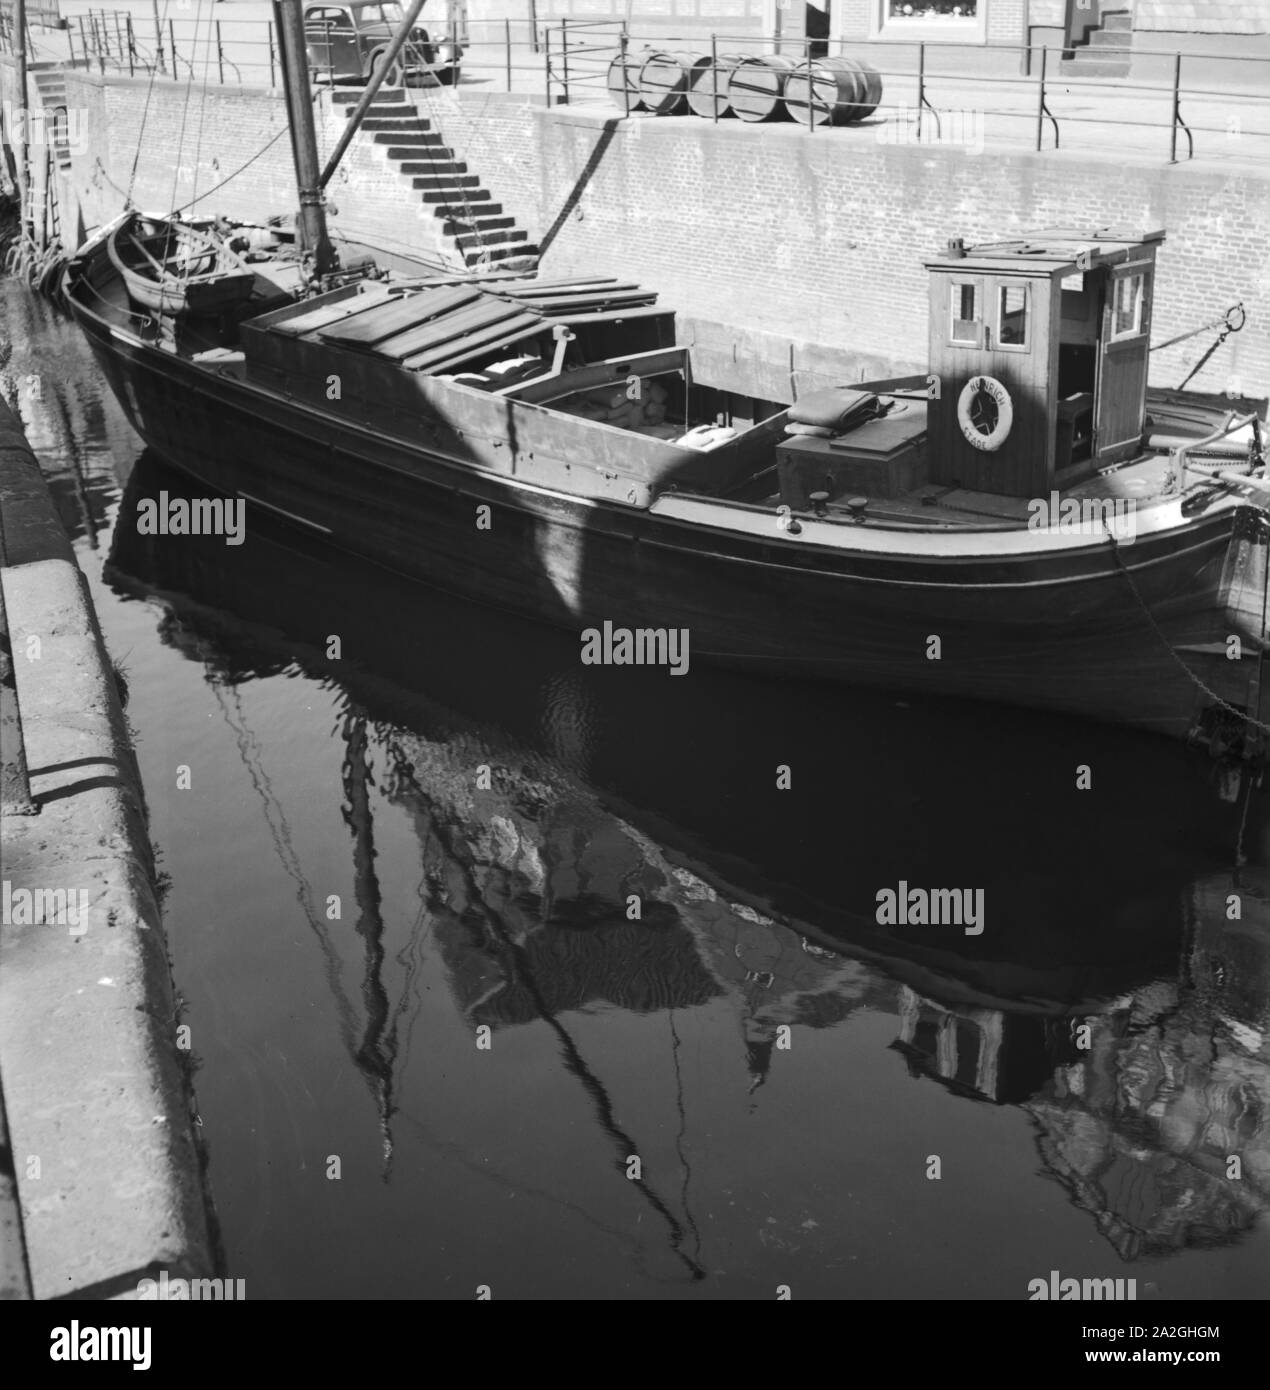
185,110
145,110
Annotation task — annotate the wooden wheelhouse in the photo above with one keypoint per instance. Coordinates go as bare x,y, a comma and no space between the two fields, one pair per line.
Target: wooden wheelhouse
1062,322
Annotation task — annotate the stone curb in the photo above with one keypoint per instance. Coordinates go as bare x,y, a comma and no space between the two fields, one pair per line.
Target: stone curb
99,1108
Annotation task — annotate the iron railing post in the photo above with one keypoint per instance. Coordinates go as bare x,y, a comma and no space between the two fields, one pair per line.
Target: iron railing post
1177,105
172,46
564,59
131,71
921,88
811,114
220,55
273,78
1040,99
507,44
714,73
158,39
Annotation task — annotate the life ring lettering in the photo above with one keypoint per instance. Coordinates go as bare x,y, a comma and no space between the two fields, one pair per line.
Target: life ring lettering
985,413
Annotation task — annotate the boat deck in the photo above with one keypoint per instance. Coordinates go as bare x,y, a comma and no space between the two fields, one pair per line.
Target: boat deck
931,506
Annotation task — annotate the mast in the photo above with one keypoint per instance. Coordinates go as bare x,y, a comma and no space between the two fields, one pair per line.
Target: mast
295,77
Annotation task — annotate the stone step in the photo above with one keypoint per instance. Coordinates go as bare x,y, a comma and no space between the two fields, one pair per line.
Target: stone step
407,146
440,162
1119,21
345,87
451,181
469,240
508,257
451,199
386,113
1101,38
403,125
485,222
459,219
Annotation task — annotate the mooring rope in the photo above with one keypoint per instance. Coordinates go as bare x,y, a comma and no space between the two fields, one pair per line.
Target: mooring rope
1159,631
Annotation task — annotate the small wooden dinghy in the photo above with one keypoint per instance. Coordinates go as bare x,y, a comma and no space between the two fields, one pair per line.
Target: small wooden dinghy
173,268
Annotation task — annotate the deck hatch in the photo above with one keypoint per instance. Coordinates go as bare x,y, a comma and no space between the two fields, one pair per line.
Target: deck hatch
388,320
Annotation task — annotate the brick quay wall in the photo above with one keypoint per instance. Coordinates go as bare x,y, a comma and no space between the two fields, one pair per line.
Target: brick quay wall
786,250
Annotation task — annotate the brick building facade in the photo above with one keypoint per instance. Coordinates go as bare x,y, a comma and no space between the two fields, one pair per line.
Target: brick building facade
956,21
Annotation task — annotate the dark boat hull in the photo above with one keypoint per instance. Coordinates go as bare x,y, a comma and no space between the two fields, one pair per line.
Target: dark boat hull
1136,639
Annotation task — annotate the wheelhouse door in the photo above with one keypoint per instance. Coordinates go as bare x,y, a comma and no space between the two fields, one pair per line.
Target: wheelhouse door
1124,351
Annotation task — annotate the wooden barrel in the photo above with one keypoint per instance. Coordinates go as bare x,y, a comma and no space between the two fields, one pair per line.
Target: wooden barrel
832,91
755,86
708,89
623,80
664,80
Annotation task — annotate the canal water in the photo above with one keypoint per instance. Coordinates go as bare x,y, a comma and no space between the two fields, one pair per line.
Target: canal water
505,971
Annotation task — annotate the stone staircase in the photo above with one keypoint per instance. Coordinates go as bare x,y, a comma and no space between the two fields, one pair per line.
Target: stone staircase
1098,57
474,228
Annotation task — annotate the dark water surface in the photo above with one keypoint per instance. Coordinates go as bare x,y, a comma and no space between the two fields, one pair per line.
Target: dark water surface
783,1068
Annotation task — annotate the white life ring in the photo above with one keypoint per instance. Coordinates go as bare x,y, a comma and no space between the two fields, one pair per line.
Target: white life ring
971,419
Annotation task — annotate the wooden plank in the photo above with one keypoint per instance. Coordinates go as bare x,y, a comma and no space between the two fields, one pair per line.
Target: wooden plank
329,313
464,349
558,306
580,282
396,316
647,311
520,325
440,331
549,291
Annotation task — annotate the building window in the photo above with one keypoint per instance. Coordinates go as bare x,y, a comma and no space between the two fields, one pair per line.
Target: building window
1012,316
947,21
967,313
898,11
1126,307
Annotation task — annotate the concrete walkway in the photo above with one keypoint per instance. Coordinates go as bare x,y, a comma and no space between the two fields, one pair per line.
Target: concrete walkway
99,1107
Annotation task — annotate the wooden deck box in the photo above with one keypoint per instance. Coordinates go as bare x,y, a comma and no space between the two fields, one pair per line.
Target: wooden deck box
883,458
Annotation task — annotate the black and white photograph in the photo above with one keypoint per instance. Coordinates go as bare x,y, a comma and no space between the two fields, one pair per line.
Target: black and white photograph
632,668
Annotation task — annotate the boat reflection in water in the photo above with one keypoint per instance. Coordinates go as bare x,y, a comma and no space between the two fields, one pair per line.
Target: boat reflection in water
1111,996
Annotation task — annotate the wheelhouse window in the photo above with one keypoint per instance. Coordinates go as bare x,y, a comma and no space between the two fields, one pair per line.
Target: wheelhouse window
1013,302
1126,307
966,302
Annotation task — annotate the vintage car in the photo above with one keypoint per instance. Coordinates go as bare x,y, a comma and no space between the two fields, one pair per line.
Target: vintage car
350,40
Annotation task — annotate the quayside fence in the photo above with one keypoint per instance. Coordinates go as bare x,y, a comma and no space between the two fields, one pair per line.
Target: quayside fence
1038,104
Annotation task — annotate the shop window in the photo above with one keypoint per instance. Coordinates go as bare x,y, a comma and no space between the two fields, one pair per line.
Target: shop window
899,11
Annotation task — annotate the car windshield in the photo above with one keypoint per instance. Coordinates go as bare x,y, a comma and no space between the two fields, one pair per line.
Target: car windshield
387,13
